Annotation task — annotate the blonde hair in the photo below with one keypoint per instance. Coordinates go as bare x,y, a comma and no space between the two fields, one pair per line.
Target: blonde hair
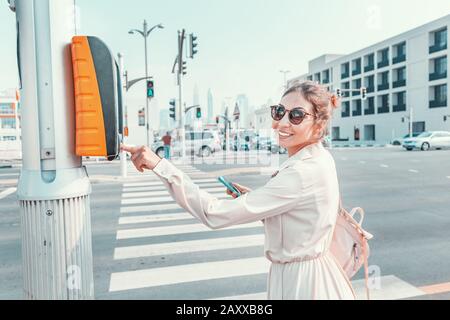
322,100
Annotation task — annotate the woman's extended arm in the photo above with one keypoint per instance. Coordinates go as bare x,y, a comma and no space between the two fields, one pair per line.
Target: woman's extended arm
278,196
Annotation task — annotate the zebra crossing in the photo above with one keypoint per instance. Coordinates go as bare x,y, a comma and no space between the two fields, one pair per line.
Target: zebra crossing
183,259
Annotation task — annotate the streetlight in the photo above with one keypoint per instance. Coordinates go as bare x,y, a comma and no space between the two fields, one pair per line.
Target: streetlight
284,72
145,32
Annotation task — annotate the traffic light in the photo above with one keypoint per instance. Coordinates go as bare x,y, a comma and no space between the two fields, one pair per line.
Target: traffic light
193,45
184,68
172,109
150,89
363,93
339,93
199,112
217,120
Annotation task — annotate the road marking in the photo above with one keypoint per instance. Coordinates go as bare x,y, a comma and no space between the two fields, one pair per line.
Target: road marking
448,177
159,182
150,208
344,159
391,288
154,218
7,192
413,171
153,277
220,195
166,192
150,250
384,166
9,174
178,229
436,288
162,187
362,162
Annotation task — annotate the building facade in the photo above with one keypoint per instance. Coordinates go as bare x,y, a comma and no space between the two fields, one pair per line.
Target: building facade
10,138
406,80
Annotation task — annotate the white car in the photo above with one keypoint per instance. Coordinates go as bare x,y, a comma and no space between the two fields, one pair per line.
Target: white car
428,140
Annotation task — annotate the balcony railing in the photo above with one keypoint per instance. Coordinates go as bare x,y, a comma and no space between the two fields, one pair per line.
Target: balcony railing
399,58
370,110
384,86
383,63
438,47
438,103
399,83
345,114
383,109
356,71
369,67
356,112
438,75
370,89
399,107
344,75
326,80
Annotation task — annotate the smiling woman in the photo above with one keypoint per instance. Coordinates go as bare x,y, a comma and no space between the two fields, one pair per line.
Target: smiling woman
309,107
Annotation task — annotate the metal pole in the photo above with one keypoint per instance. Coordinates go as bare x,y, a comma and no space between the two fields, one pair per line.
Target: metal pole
147,115
123,154
53,188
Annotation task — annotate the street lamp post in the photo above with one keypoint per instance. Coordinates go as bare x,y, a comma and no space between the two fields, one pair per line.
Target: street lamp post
145,33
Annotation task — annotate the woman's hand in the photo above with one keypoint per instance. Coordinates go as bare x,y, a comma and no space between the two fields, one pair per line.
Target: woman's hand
242,189
142,157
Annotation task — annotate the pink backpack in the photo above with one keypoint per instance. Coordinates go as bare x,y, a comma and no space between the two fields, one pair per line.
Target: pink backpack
350,243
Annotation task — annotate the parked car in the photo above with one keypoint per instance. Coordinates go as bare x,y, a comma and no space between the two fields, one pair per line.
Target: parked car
399,141
201,143
428,140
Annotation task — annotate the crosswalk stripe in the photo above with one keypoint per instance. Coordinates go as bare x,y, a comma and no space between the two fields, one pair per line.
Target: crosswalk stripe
177,229
159,182
150,250
7,192
154,218
166,192
220,195
391,288
149,208
146,278
162,187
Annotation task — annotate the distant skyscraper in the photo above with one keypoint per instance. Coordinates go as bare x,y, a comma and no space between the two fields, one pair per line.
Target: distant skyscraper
210,116
242,101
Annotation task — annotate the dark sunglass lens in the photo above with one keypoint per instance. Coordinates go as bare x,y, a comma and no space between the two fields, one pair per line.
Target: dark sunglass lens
278,112
296,116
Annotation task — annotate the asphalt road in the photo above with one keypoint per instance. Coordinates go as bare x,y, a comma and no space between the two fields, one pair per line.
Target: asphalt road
145,253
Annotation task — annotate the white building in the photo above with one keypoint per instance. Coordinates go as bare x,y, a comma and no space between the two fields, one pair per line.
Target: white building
404,73
10,139
242,102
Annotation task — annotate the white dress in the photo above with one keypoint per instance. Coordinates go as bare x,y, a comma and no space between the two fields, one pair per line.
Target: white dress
299,209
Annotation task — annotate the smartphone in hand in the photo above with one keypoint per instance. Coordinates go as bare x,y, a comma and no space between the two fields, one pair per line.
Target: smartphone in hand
229,186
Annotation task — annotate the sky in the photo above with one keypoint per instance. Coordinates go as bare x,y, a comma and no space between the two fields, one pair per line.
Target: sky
242,44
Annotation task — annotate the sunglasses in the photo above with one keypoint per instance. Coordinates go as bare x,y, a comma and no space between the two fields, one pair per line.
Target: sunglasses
296,115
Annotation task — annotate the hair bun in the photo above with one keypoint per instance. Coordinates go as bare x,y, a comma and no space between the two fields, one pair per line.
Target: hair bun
335,101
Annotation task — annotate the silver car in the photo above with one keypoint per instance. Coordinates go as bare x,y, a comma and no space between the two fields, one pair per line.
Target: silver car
428,140
202,143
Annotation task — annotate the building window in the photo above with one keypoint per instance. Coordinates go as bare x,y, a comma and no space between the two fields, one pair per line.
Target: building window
369,106
7,123
356,87
356,67
369,132
369,62
399,76
317,77
6,108
383,58
438,68
9,138
438,96
326,76
345,86
357,109
345,109
345,70
383,104
335,133
309,78
438,40
400,53
369,83
383,81
399,103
